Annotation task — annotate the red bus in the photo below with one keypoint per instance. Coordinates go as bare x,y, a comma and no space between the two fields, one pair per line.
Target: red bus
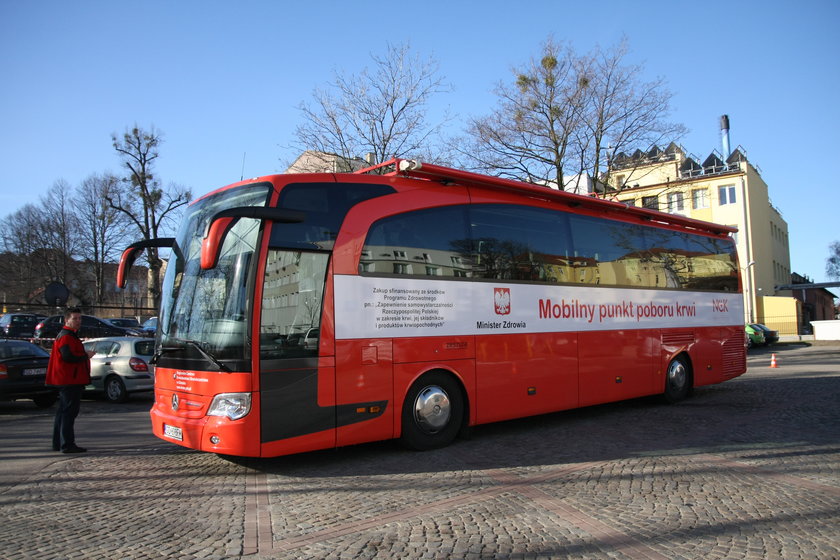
412,301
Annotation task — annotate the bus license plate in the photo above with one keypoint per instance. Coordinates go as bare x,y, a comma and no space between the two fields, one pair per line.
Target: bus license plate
173,432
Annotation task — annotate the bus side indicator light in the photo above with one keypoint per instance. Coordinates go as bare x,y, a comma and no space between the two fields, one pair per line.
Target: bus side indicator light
369,410
532,391
618,379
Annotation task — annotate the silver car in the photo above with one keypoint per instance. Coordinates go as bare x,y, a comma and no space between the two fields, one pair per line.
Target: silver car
121,366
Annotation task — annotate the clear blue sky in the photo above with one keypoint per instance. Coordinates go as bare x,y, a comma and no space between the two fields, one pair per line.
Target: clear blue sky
223,79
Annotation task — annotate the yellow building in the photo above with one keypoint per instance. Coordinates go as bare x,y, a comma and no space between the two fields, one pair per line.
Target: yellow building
724,190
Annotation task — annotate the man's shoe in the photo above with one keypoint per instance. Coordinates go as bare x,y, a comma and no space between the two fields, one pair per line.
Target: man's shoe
74,449
56,448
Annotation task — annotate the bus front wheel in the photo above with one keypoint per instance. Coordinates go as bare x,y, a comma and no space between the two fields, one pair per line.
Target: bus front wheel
432,412
677,380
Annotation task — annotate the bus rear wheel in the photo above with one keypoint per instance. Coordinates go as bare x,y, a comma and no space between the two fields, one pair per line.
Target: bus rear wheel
677,380
432,412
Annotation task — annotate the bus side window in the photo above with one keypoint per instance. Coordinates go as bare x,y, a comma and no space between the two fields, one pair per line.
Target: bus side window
430,242
293,290
512,242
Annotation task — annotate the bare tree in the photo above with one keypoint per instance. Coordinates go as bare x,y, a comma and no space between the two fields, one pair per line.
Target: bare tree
40,243
622,112
102,228
20,229
832,262
564,113
58,233
535,127
22,274
381,111
146,204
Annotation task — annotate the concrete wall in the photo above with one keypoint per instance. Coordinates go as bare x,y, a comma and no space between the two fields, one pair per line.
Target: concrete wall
826,330
780,314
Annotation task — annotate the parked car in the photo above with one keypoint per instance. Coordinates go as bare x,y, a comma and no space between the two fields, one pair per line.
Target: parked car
120,366
132,326
19,325
755,336
23,370
310,339
770,336
92,327
125,322
150,326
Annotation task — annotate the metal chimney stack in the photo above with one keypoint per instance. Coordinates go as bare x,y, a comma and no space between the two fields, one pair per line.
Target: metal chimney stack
724,130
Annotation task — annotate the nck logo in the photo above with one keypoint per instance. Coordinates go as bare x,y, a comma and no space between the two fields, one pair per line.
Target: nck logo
501,301
721,305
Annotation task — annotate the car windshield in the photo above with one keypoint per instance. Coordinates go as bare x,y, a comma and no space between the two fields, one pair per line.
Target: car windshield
209,307
10,349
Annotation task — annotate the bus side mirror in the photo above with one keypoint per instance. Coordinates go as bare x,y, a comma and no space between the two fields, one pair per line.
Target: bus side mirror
130,255
221,222
214,236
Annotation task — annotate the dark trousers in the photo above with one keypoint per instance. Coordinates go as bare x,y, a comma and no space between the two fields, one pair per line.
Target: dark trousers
69,403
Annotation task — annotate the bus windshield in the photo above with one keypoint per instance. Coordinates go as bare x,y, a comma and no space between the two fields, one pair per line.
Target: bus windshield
203,312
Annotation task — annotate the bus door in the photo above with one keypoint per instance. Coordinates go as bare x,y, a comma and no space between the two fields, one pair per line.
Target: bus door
296,386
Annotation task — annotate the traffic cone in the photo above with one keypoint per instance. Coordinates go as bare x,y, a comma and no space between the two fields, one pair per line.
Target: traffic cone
773,361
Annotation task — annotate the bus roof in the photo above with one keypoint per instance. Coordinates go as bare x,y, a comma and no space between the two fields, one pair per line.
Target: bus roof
446,175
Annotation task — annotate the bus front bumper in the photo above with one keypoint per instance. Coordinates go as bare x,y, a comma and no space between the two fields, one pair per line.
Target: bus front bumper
195,430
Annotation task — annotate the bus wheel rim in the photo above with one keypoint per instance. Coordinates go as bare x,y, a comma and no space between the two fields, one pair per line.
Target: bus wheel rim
432,409
677,375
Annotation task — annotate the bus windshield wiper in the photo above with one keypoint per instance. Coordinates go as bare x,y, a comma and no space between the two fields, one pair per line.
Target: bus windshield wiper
195,344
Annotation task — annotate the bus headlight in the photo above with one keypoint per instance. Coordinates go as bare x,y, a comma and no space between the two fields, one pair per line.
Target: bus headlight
232,405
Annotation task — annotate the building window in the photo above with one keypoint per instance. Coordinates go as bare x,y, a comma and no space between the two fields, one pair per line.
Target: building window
651,202
726,194
675,202
700,198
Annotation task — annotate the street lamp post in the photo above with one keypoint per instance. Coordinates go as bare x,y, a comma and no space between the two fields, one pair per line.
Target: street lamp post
749,289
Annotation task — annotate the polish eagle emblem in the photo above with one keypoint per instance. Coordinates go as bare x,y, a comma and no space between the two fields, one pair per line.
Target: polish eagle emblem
502,301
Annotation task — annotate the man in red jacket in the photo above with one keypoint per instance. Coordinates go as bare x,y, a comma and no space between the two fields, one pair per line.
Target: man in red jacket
69,370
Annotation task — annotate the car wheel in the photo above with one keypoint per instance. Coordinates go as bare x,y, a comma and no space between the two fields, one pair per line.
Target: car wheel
677,380
115,389
45,400
432,412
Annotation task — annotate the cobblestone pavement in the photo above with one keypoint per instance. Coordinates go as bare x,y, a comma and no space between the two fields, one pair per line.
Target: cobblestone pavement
747,469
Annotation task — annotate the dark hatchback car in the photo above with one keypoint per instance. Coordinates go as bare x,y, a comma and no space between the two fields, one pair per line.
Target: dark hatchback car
92,327
770,336
19,325
23,369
